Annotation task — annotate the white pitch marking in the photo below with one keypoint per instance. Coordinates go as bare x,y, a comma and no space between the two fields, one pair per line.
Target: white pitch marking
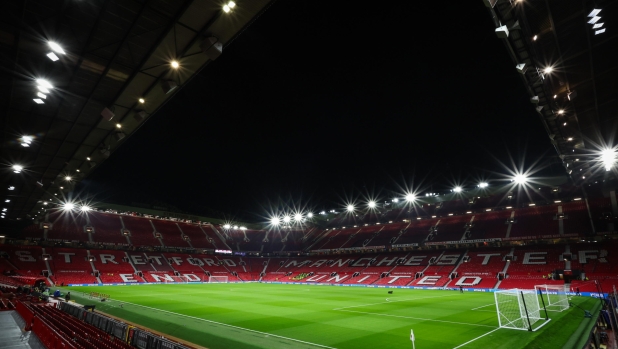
401,300
418,318
472,340
483,306
237,327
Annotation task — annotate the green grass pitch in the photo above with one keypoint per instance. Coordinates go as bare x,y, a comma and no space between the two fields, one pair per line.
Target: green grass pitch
255,315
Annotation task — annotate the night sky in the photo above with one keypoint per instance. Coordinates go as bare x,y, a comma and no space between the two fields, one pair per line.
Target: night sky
319,102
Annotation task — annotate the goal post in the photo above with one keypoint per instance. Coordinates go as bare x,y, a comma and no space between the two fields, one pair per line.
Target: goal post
217,279
519,310
553,296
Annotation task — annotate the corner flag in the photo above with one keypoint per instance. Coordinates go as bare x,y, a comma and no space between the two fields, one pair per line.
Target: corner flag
412,335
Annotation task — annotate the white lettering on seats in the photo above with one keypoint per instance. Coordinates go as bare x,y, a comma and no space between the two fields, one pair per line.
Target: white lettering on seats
529,258
67,256
429,280
108,258
462,281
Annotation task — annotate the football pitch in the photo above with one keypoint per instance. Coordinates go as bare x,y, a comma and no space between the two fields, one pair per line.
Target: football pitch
254,315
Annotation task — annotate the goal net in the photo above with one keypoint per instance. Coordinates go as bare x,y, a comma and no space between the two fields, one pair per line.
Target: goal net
217,279
553,296
518,309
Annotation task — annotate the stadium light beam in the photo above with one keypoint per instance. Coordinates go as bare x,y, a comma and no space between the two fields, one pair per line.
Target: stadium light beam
410,197
298,217
55,47
520,178
483,185
17,168
226,226
457,189
287,219
310,215
68,206
350,208
608,158
85,208
275,221
371,204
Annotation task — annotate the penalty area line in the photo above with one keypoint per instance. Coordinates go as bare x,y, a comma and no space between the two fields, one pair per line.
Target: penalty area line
389,301
483,306
232,326
472,340
418,318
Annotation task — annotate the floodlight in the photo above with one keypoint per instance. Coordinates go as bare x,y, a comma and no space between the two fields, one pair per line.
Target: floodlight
520,178
68,178
45,203
298,217
243,228
42,89
226,8
11,188
287,219
600,31
226,226
17,168
44,83
41,95
597,25
52,56
371,204
55,47
231,4
68,206
410,197
594,19
561,111
457,189
275,221
548,70
88,158
85,208
594,12
350,208
395,200
235,227
309,215
141,100
608,157
175,64
7,200
118,126
535,37
38,101
483,185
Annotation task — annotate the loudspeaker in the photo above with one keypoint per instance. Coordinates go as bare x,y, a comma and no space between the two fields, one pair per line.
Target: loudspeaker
140,115
211,47
108,114
502,32
119,136
168,86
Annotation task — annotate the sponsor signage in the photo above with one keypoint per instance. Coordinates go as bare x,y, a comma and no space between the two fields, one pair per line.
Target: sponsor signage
224,251
462,241
405,245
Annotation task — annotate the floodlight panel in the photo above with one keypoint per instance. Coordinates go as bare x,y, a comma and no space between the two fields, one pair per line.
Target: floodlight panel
44,83
410,197
298,217
350,208
57,48
275,221
594,12
371,204
52,56
594,19
68,206
226,226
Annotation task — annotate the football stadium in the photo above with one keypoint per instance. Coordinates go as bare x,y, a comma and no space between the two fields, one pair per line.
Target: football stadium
296,174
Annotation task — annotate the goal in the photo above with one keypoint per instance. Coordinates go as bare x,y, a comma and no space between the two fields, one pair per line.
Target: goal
519,310
553,296
217,279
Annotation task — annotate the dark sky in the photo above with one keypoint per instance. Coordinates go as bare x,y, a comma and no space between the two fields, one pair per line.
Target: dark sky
319,101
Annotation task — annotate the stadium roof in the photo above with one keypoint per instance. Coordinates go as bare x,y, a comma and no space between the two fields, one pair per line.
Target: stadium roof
569,65
84,76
